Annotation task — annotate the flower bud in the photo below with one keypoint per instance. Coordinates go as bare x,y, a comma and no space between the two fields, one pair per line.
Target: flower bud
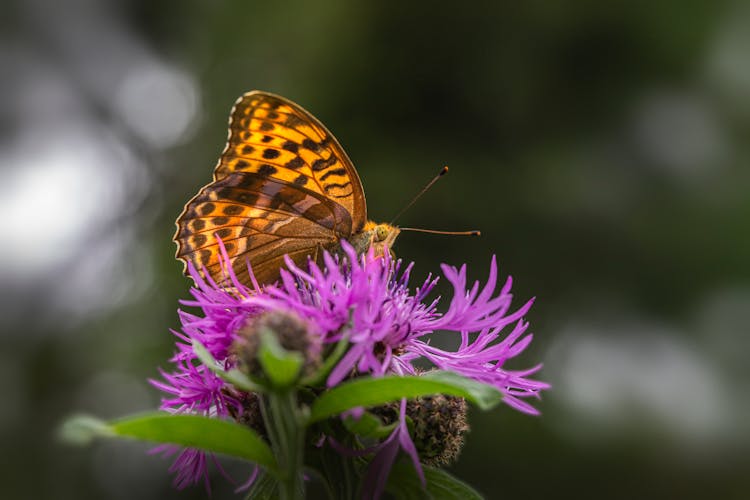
248,412
292,332
438,425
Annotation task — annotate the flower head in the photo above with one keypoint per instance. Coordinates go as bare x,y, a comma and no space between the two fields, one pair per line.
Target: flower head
367,301
192,387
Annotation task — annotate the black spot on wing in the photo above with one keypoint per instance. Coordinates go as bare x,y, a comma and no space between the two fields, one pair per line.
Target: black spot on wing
295,163
290,146
232,210
328,187
311,145
293,121
205,257
336,171
266,169
270,154
224,233
321,164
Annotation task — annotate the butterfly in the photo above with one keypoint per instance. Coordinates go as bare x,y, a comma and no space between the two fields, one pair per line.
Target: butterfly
282,186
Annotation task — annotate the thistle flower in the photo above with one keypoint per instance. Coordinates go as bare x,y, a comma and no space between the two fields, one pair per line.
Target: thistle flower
366,300
194,388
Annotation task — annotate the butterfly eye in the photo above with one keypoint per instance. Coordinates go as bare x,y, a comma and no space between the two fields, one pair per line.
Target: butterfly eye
381,233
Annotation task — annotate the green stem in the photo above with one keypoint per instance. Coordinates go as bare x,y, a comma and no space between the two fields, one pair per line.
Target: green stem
288,439
340,473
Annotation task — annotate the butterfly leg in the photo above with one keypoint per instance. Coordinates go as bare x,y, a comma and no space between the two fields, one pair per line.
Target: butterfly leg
318,255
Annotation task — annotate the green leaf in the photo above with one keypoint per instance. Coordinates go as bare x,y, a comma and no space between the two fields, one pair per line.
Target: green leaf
82,429
192,431
483,395
403,483
368,425
281,366
367,392
235,377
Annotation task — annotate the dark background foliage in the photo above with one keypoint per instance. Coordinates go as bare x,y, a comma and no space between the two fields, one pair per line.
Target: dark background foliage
601,147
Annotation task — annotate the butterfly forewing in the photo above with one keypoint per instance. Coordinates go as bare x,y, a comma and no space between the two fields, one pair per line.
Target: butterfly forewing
274,137
283,185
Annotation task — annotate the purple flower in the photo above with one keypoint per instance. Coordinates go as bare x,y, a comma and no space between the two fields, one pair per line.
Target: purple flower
194,388
367,300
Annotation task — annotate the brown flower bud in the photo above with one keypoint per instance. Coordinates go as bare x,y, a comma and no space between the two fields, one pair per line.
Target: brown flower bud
438,426
292,332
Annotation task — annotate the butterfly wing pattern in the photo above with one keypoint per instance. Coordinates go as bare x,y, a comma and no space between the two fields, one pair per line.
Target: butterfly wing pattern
283,185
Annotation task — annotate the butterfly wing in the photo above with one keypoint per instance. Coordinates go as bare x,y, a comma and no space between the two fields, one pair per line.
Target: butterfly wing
275,137
283,185
259,220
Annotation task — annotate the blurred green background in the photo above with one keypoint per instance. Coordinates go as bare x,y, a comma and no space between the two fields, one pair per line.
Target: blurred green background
601,147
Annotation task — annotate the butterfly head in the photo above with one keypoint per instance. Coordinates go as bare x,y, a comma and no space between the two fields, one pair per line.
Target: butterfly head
384,236
375,236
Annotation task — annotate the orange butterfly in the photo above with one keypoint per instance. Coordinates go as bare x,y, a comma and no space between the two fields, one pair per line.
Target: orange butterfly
283,185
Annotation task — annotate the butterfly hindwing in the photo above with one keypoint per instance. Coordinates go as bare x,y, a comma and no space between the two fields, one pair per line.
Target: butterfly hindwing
258,219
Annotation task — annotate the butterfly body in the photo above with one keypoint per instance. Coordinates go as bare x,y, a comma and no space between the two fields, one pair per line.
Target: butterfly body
282,186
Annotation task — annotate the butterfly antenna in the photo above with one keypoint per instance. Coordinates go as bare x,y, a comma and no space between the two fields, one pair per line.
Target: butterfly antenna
452,233
442,172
